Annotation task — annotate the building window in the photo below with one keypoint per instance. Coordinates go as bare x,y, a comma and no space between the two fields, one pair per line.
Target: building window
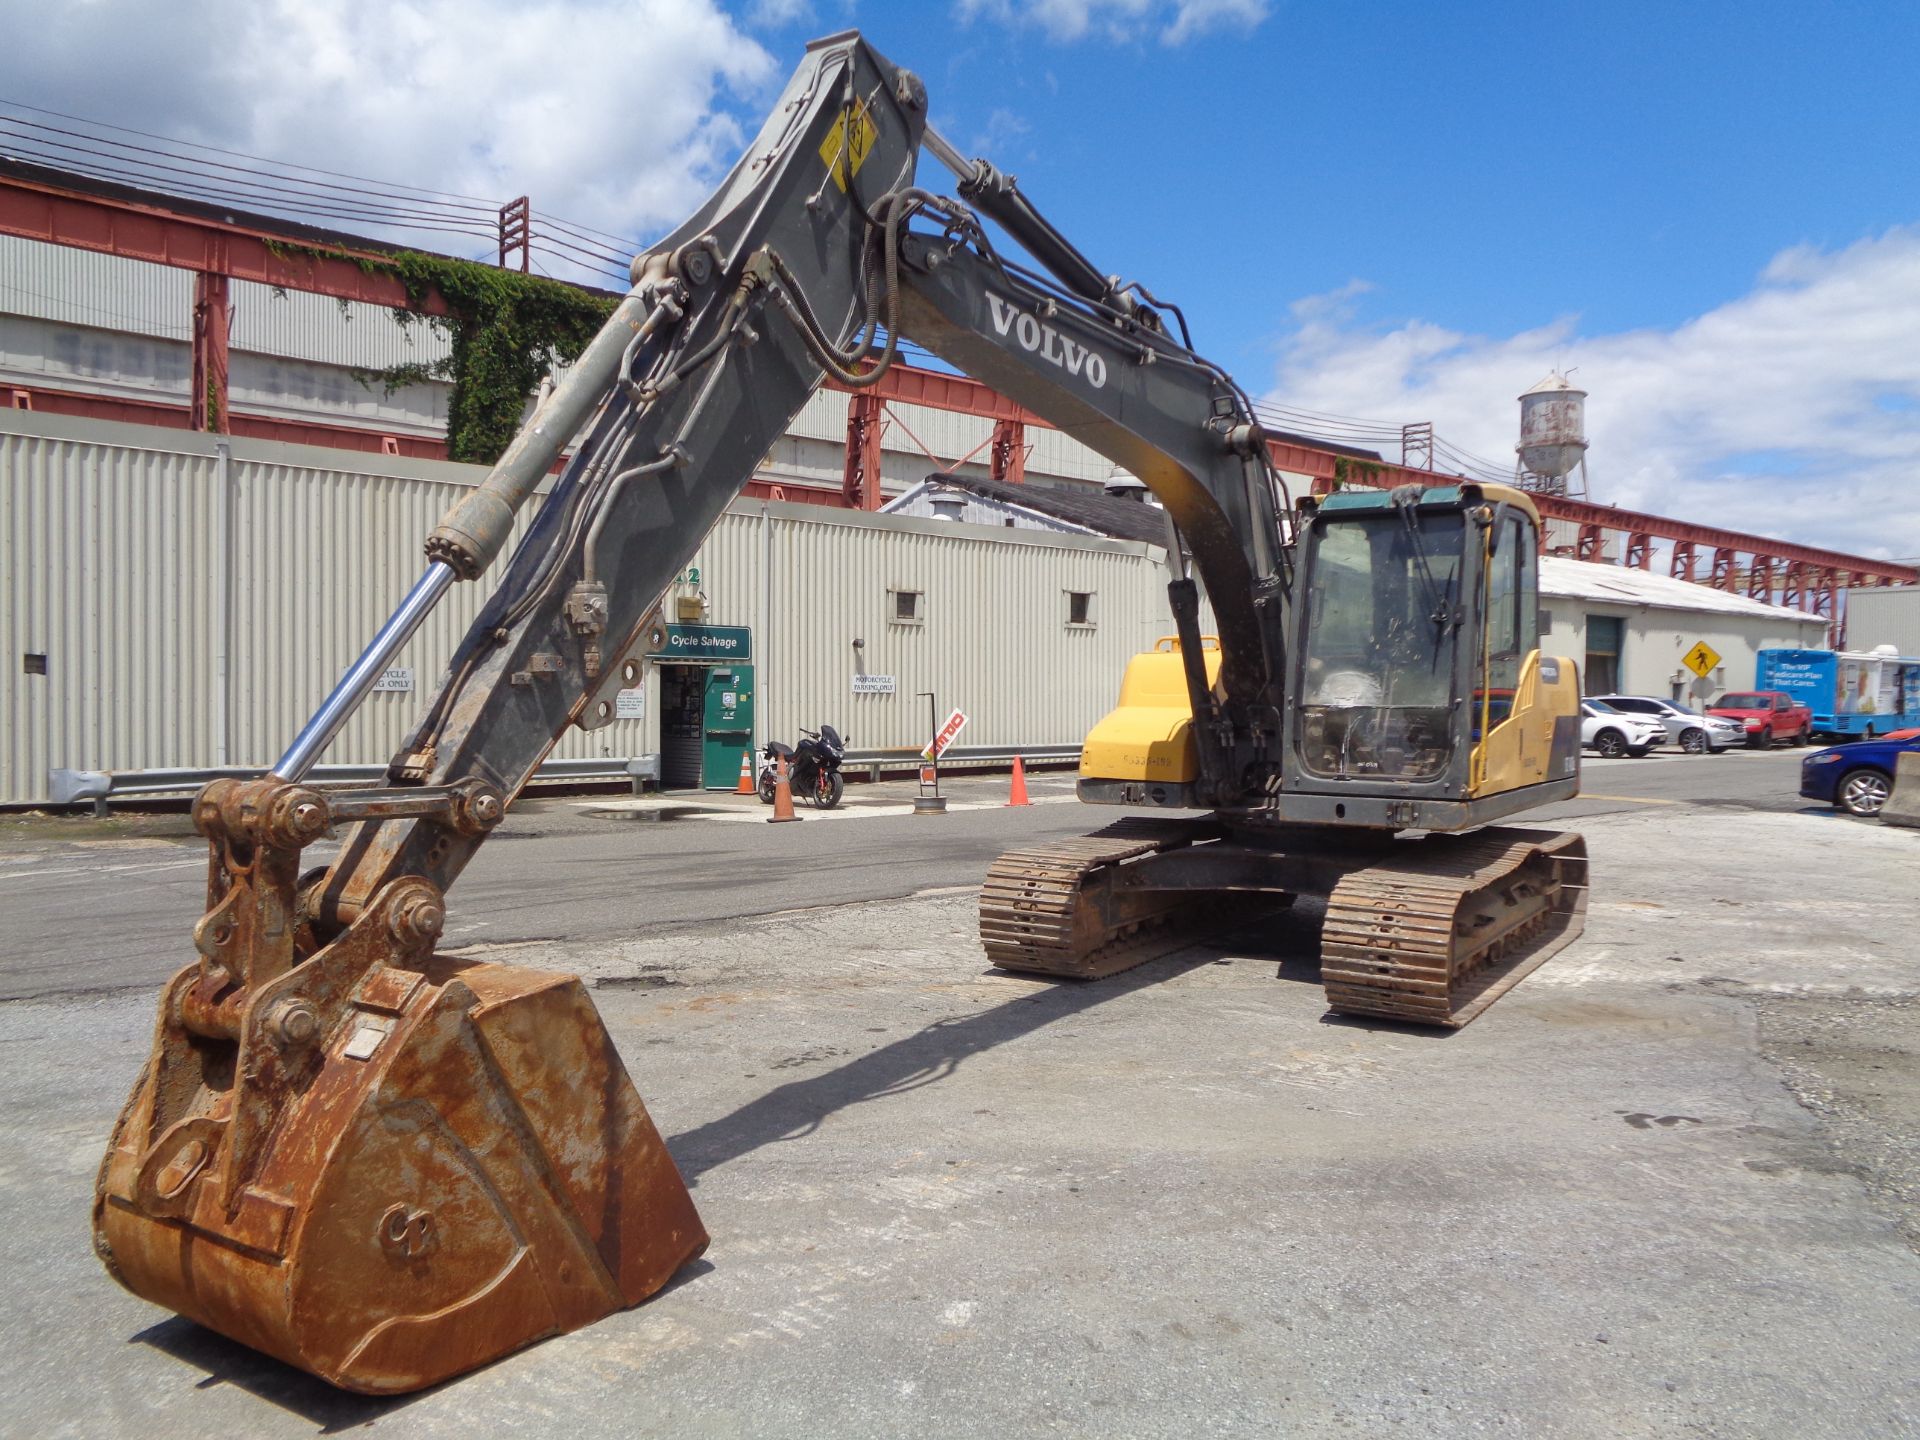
908,607
1605,642
1080,607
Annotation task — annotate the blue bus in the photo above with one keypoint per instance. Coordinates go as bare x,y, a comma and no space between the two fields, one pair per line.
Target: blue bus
1850,693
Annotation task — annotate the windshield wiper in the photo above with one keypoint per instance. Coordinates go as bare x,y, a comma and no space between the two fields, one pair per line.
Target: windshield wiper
1440,608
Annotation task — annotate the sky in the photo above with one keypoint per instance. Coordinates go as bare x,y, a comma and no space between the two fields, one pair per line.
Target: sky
1709,213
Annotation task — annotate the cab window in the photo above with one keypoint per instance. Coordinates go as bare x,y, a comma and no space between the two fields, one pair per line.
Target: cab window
1513,613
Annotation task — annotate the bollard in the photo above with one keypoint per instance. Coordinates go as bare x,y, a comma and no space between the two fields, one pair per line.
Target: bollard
1903,805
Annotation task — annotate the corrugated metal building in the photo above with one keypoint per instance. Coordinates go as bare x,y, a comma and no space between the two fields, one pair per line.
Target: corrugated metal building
108,326
1629,630
1888,616
172,599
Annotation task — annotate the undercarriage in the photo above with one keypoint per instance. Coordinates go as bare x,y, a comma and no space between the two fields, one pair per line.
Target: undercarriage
1428,930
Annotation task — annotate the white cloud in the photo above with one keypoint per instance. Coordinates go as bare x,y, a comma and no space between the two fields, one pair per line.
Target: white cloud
1792,411
610,113
1173,22
1193,18
998,135
779,12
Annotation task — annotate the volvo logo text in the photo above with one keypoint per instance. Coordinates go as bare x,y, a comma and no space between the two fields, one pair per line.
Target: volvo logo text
1045,341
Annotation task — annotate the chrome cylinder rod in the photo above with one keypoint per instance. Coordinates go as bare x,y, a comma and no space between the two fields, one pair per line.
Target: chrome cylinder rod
339,706
947,154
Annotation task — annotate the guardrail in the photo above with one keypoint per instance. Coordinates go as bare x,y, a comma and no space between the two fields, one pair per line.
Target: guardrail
98,787
875,762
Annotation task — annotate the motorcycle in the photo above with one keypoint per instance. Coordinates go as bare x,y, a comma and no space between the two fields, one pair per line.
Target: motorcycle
813,767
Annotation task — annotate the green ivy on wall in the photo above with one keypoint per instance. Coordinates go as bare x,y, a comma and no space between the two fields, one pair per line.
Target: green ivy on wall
1348,472
505,331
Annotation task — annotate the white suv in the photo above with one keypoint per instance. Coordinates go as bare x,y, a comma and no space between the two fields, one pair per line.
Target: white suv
1689,729
1610,733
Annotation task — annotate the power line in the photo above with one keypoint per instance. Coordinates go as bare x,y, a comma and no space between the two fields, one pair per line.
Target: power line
249,192
272,186
237,154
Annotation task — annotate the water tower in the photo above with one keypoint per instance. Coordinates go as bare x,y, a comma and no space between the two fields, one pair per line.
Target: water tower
1553,438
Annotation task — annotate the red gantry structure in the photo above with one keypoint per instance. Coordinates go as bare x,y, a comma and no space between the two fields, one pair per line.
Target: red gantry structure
220,245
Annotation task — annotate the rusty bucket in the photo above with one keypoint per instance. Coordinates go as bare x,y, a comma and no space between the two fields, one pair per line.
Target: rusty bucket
381,1165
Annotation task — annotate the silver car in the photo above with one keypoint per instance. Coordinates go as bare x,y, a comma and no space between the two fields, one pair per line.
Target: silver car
1689,729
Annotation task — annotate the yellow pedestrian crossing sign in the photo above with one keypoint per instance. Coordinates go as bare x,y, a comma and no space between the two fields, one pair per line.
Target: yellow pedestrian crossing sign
1701,659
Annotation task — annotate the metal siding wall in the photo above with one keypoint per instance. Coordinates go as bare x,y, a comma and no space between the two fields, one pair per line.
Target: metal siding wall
78,287
313,327
994,642
110,536
1884,617
112,572
109,292
107,362
100,549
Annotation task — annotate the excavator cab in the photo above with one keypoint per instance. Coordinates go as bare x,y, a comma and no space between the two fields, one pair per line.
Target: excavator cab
1420,698
1423,699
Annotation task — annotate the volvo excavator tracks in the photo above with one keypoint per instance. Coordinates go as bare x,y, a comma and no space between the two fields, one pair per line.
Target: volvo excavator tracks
1429,931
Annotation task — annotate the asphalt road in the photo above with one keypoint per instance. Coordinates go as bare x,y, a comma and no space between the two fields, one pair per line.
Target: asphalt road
89,913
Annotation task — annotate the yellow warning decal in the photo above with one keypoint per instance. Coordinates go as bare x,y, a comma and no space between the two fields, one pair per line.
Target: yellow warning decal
856,124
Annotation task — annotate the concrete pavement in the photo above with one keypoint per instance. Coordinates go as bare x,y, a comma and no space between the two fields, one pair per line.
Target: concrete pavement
1655,1191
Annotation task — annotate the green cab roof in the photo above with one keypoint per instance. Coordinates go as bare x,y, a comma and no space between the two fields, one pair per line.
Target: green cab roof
1369,499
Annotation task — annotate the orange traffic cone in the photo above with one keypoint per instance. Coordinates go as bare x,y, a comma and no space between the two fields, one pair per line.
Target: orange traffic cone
745,787
1019,795
782,795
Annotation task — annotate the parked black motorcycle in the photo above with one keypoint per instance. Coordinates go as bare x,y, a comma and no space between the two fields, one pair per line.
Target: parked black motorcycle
813,767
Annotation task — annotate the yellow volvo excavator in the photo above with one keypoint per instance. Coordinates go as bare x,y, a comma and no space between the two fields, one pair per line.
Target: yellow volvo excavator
387,1165
1417,701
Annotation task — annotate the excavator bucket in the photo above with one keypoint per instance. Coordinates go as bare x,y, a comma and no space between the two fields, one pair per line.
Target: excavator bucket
381,1165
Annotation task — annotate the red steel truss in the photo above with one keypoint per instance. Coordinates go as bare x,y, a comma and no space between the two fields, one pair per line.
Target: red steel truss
220,247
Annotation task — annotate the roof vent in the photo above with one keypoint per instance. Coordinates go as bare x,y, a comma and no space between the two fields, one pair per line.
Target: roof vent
947,504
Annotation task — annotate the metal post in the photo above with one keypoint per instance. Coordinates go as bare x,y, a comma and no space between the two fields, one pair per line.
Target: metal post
223,602
936,803
208,403
339,706
763,711
516,231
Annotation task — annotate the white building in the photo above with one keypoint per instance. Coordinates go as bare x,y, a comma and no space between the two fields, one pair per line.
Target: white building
1631,629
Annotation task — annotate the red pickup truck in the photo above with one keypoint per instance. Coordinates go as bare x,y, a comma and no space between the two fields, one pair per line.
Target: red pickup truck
1768,715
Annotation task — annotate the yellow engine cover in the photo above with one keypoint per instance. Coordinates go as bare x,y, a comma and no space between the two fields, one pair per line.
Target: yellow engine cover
1149,736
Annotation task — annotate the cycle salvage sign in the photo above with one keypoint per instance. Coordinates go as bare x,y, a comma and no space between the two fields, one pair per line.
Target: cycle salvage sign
956,722
705,642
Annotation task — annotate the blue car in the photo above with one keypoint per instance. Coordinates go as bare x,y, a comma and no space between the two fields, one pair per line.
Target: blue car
1856,778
